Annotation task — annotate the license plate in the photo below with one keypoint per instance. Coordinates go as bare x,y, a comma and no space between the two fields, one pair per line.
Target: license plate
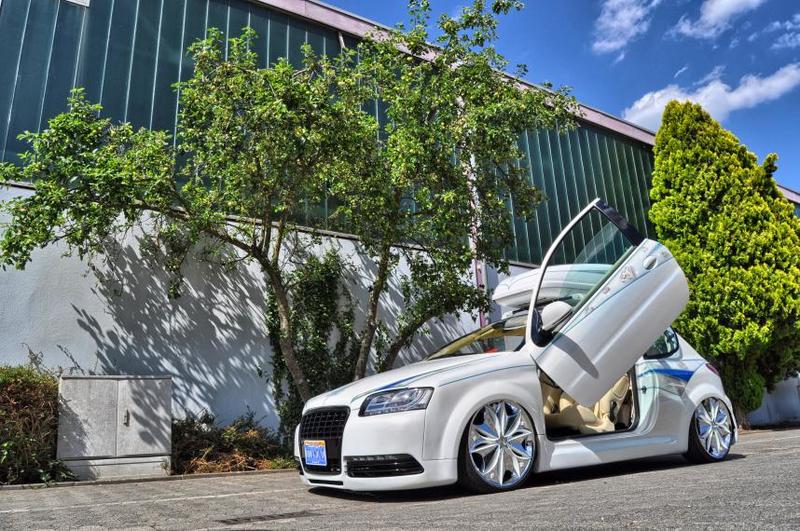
315,453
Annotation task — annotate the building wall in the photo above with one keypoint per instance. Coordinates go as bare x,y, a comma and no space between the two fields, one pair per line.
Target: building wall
127,54
93,319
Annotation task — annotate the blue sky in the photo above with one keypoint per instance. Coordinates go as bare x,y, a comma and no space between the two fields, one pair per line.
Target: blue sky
739,58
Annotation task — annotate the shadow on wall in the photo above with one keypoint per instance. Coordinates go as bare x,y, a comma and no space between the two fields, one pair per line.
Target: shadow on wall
211,340
362,271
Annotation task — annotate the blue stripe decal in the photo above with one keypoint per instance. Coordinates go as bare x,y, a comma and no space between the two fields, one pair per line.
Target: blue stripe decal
681,374
415,377
483,373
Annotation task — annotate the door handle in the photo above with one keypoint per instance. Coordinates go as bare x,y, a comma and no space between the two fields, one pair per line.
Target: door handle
649,262
126,418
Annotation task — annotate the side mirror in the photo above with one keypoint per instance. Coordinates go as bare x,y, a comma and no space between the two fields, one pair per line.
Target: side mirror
554,314
546,321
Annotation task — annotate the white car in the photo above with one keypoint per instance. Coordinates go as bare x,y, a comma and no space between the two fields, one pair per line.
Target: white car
583,370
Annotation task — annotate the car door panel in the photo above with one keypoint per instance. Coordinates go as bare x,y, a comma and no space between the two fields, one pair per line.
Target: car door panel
616,320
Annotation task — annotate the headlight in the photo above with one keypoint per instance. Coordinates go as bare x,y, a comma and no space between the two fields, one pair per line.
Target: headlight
396,400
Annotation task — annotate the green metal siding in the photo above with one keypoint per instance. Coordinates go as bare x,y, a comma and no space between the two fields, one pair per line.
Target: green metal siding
128,53
572,169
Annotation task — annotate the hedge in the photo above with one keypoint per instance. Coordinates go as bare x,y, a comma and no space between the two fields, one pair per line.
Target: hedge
29,426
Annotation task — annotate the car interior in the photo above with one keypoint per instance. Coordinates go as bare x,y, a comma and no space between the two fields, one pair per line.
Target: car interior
564,417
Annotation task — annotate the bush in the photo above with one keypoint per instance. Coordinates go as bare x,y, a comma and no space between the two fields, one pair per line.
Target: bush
29,426
199,445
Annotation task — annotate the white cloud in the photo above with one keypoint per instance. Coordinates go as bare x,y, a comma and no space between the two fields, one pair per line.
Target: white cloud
715,74
787,25
718,98
680,71
790,38
620,22
787,40
715,18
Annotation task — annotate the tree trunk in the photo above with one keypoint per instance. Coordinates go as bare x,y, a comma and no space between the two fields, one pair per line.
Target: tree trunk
741,416
372,313
401,339
286,335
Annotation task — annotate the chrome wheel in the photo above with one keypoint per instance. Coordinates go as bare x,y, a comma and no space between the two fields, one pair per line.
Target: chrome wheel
714,427
501,443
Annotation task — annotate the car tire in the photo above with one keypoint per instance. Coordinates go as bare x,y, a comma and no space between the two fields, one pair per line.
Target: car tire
710,432
516,443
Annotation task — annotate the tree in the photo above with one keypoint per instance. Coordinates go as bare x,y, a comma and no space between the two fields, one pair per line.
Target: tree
738,242
325,339
254,147
425,184
447,159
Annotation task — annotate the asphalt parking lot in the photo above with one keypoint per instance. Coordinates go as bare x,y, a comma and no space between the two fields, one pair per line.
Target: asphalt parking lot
758,487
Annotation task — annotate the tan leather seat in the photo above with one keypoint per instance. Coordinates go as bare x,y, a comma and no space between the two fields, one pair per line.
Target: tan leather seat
609,406
598,419
550,398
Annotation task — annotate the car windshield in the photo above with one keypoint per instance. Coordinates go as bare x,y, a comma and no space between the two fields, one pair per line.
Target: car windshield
505,335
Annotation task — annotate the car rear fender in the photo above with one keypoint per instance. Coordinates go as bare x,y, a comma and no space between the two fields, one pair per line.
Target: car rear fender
705,383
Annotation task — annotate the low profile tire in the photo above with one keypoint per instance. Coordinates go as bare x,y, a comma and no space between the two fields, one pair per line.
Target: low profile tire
710,432
497,449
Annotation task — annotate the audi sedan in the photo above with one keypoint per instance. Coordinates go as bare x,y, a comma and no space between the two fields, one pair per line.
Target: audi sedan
583,369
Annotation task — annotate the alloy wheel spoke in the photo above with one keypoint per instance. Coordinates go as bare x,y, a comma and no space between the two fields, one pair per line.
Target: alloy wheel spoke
703,430
515,464
714,409
707,441
514,425
519,451
720,446
491,421
482,445
703,416
502,419
520,434
491,464
500,466
485,431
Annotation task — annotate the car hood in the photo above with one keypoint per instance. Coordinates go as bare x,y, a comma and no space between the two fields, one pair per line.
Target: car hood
420,374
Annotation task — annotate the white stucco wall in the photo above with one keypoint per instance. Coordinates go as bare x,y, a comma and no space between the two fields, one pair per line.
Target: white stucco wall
780,406
211,340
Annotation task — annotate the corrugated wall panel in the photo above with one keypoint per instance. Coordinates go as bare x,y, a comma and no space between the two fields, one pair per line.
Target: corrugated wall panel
127,54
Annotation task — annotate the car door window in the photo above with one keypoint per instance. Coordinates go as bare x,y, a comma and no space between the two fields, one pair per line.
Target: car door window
665,346
578,266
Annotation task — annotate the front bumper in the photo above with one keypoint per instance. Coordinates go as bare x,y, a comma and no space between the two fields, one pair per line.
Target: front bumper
378,435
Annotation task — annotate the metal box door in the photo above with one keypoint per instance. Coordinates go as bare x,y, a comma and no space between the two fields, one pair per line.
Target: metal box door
87,420
144,417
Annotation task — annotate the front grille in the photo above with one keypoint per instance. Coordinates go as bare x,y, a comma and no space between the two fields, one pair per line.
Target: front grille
381,466
325,424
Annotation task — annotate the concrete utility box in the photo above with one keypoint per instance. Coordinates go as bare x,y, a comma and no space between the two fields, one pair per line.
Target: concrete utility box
115,426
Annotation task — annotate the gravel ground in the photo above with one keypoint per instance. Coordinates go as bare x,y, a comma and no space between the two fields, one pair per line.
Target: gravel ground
758,487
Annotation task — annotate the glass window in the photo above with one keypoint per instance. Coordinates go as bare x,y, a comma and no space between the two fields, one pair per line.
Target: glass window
575,269
665,346
502,336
